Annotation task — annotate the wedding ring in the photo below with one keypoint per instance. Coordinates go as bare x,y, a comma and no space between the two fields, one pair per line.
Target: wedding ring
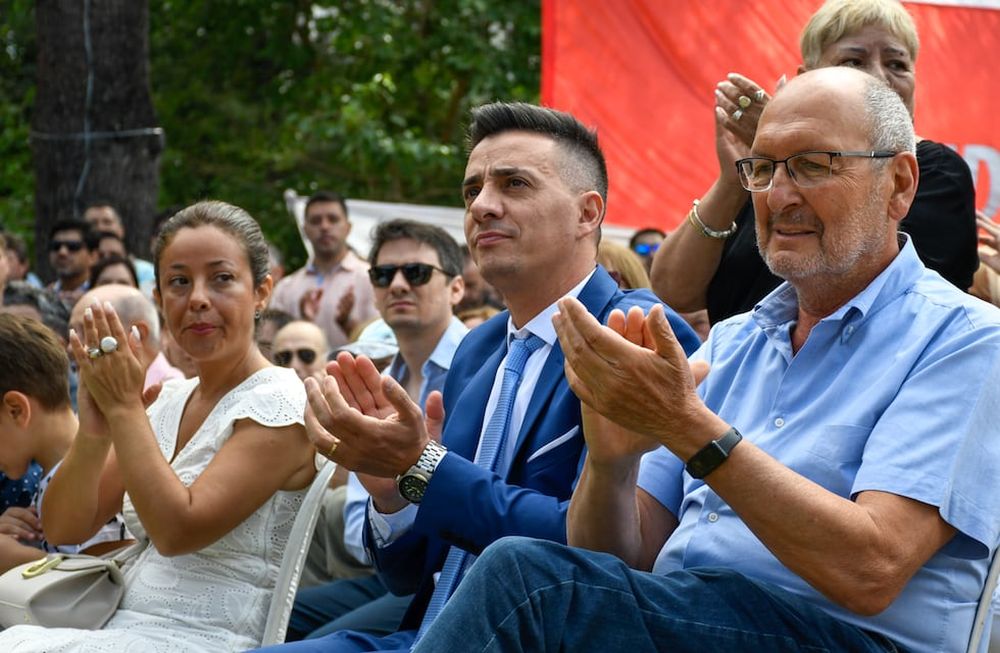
759,95
94,352
737,115
333,447
744,101
109,344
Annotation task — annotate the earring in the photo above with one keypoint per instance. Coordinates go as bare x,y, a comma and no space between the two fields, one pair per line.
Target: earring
256,314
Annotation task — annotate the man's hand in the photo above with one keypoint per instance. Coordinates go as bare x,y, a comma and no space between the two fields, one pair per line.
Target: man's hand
360,384
648,389
383,446
21,523
309,304
344,308
991,239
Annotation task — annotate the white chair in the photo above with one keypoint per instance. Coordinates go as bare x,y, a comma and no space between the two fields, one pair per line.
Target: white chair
980,637
299,540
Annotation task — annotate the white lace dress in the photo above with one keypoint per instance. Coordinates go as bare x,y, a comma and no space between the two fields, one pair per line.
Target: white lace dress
216,599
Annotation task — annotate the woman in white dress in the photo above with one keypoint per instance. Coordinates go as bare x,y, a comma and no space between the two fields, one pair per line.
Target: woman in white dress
211,476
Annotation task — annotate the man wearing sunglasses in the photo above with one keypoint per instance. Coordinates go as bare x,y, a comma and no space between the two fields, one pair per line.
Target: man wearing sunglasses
833,484
535,189
416,277
301,346
71,253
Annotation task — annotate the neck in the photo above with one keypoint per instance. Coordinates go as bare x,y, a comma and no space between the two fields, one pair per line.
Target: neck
57,430
73,282
327,263
526,298
416,348
216,378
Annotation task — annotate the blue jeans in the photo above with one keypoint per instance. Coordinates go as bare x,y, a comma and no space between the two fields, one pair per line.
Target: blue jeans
348,641
362,603
533,596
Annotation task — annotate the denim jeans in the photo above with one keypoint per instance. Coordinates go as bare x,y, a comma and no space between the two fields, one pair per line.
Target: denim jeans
534,596
361,603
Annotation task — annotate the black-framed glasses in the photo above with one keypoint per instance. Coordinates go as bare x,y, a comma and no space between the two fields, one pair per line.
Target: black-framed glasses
805,168
73,246
416,274
285,356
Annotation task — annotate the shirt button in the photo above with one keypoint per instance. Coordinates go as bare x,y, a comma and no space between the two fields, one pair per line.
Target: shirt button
713,517
779,422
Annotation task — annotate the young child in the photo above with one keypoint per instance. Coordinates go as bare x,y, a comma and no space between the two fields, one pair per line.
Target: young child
37,423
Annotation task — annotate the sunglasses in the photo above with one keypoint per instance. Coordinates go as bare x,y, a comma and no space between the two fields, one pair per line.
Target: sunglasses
416,274
284,358
72,245
645,249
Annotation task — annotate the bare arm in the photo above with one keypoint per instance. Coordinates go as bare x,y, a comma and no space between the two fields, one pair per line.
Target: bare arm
687,260
13,553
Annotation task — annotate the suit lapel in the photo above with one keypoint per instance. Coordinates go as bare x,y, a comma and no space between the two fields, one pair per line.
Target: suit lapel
471,406
596,296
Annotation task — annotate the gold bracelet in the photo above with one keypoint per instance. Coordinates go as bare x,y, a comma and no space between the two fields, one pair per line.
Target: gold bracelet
704,229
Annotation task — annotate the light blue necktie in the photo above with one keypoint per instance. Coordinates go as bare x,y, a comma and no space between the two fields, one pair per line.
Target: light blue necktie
494,438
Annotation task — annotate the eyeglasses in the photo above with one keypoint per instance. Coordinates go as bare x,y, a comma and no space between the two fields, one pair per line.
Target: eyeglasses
416,274
646,249
806,169
73,246
284,358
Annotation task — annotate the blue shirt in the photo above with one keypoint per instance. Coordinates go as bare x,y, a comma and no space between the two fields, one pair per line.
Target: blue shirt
18,492
896,391
434,371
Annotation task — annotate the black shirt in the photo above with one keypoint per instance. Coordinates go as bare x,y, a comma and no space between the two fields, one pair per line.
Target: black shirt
941,222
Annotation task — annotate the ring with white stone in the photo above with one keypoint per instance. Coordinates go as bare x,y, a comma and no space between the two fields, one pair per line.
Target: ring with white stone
737,115
109,344
759,95
744,101
94,352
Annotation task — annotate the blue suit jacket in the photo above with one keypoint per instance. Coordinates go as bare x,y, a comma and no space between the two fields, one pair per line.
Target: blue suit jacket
471,507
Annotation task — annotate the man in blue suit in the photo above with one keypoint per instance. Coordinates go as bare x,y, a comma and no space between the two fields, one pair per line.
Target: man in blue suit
535,190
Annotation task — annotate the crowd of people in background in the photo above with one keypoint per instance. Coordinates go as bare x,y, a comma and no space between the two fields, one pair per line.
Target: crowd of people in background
829,283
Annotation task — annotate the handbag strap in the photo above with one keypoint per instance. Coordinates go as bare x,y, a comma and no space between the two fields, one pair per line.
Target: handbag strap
124,554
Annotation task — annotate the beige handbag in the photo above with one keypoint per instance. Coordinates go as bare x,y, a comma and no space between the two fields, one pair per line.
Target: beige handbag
64,591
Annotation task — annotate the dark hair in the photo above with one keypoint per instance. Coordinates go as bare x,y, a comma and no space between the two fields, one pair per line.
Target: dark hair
17,245
101,202
644,232
72,224
583,165
276,316
326,196
449,254
112,259
101,235
54,312
231,219
33,361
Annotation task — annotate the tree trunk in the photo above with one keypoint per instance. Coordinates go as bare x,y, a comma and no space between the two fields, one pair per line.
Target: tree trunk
100,144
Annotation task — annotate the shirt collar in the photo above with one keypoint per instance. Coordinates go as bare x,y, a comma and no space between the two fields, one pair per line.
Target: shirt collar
351,261
781,305
442,355
541,324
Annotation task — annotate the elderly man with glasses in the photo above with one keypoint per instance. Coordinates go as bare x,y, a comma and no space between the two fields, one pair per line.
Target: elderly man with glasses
834,481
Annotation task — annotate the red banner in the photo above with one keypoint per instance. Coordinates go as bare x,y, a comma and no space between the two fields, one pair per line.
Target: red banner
644,72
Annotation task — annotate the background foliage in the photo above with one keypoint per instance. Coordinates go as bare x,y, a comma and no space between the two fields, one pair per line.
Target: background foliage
366,97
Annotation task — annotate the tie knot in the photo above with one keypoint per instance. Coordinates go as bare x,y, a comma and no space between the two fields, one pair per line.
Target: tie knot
521,350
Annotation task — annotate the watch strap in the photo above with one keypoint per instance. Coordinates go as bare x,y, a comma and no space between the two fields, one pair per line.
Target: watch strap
713,454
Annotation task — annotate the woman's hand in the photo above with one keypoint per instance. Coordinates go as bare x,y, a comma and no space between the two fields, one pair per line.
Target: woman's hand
113,379
739,101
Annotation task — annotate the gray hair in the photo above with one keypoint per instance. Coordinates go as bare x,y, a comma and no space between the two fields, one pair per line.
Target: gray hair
136,308
890,126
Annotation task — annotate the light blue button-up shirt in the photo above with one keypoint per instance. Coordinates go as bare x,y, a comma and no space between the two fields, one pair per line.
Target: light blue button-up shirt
897,391
435,371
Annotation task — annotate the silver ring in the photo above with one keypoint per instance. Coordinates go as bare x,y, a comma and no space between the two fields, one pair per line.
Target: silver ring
94,353
744,101
759,95
737,115
109,344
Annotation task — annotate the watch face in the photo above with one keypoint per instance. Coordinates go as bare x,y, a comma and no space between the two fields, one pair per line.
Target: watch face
412,488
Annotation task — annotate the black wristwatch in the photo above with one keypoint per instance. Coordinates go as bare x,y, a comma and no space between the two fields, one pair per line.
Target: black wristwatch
713,454
412,484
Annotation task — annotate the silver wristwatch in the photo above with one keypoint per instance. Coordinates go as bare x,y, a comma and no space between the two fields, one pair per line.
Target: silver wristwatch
413,483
